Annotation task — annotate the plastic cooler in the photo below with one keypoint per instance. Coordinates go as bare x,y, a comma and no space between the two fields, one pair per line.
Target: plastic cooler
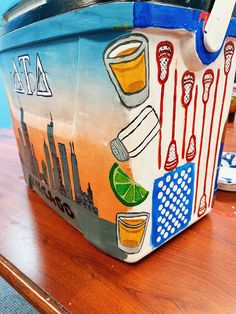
118,111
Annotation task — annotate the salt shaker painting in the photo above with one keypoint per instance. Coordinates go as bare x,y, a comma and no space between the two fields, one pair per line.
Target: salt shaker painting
123,136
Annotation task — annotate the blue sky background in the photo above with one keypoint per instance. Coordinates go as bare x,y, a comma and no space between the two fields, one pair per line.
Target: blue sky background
5,121
67,79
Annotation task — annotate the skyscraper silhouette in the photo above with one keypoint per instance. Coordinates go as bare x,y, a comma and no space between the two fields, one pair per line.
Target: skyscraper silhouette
35,162
65,169
27,141
90,194
49,165
55,160
22,147
75,172
45,172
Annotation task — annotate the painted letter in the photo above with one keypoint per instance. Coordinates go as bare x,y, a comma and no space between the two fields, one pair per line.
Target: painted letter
18,84
42,80
25,58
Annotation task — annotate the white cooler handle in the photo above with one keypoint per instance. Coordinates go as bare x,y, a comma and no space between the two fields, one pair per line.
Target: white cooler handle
21,8
217,24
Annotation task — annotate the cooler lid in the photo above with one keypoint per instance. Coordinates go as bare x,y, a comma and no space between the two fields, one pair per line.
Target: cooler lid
13,8
5,5
10,9
19,13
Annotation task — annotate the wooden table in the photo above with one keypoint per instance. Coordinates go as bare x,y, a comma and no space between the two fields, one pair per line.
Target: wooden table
232,110
58,271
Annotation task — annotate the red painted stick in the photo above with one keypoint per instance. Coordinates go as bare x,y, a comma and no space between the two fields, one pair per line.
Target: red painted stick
188,80
207,81
203,203
184,132
217,140
229,50
172,158
191,150
161,120
164,55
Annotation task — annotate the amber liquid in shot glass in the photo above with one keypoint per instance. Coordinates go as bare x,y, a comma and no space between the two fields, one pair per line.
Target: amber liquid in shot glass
131,75
131,230
127,63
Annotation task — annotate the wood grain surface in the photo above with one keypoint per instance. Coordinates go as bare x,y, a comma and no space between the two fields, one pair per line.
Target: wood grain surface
58,271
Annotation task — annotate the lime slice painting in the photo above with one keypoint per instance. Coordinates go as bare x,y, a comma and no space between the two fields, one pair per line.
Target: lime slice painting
125,189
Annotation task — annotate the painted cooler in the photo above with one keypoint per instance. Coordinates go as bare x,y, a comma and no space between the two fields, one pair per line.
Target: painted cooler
118,110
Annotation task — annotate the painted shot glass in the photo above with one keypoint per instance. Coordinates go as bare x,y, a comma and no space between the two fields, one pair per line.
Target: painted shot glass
126,61
131,229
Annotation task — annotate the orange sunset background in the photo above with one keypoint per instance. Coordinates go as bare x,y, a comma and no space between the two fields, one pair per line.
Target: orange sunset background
94,163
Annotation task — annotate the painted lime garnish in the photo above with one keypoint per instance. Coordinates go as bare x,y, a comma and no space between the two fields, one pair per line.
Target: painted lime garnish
125,189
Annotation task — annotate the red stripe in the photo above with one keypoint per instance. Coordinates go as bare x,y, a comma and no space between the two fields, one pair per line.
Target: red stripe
200,155
218,137
174,107
184,132
211,129
161,120
195,109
